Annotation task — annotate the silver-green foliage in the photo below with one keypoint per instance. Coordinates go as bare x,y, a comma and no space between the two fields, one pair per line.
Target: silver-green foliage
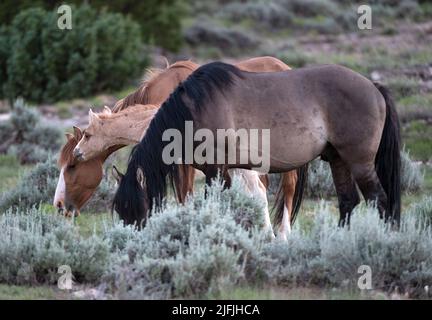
38,186
26,137
188,250
423,210
412,174
320,181
34,244
331,256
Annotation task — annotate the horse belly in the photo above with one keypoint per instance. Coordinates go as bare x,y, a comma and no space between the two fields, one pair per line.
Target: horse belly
291,149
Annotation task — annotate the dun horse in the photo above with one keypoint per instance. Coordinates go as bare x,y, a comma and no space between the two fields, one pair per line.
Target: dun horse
107,129
76,176
328,111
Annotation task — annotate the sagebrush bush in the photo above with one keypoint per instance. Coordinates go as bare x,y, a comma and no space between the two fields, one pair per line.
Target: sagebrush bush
412,175
45,63
26,137
423,210
310,8
268,14
319,180
330,256
34,244
201,248
38,185
35,187
229,40
188,250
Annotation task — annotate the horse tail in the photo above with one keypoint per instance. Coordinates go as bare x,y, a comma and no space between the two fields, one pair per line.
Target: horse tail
279,205
387,161
299,191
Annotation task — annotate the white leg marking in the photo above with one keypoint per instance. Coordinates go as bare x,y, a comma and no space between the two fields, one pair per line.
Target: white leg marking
60,192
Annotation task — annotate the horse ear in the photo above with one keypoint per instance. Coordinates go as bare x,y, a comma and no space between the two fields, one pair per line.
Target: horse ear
117,174
69,136
141,178
77,132
107,110
166,62
92,116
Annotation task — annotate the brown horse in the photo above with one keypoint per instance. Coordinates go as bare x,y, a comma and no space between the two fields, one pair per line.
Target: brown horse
155,90
326,111
80,179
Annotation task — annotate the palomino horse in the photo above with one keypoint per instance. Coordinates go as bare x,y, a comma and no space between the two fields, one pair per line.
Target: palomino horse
75,175
107,129
328,111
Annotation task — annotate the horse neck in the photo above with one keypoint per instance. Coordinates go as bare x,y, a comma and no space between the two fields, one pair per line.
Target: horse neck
128,127
159,88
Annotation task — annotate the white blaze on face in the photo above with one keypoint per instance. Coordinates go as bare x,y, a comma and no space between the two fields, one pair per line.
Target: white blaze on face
60,192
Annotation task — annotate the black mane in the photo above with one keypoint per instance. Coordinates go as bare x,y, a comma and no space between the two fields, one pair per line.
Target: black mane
199,87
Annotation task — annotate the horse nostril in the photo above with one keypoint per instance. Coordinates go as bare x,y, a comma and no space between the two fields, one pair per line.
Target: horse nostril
77,153
59,204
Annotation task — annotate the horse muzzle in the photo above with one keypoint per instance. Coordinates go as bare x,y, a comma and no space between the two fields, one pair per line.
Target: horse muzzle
77,153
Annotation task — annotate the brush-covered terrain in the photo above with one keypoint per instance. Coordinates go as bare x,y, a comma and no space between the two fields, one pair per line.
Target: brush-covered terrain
211,248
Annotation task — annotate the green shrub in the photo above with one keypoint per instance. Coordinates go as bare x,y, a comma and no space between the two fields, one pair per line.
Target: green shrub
101,52
160,21
3,57
33,245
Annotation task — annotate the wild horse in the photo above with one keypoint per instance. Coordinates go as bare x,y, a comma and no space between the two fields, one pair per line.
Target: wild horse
328,111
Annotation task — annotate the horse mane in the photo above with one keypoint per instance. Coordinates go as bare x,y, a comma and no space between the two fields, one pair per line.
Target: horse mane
152,74
198,88
130,109
66,153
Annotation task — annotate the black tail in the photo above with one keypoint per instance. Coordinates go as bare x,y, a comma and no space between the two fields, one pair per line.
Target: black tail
387,161
279,205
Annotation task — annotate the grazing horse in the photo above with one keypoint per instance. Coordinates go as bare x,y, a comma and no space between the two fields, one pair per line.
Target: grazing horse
80,179
155,90
328,111
107,129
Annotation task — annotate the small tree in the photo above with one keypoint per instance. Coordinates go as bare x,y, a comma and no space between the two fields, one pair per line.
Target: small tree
44,63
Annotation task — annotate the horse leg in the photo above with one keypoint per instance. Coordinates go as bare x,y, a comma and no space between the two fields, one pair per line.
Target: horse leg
346,189
256,187
289,181
190,180
184,186
370,186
